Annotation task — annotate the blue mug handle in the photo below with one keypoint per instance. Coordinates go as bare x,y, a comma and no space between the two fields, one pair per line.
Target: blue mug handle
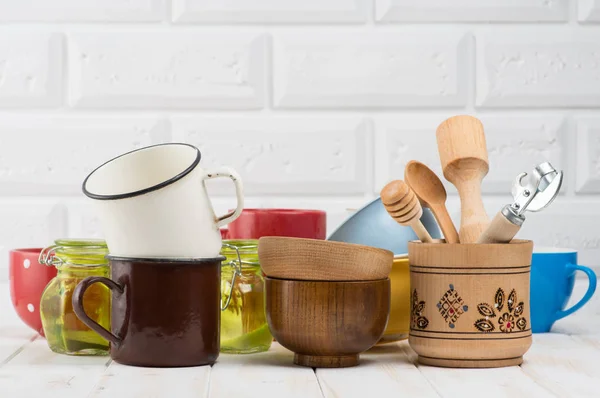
588,295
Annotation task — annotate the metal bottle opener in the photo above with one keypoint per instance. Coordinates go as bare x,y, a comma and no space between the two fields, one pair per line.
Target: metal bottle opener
541,189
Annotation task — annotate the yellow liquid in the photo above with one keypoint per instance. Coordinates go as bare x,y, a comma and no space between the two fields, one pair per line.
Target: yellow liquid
244,328
398,325
65,333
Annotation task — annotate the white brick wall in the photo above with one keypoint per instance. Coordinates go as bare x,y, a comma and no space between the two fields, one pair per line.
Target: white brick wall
358,69
558,67
167,69
471,10
30,69
50,155
588,155
322,156
270,11
317,104
82,10
589,11
29,222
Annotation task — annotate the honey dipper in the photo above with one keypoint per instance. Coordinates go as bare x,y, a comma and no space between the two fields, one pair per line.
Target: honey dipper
403,206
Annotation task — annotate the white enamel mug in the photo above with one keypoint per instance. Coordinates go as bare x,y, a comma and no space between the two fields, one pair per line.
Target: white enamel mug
152,202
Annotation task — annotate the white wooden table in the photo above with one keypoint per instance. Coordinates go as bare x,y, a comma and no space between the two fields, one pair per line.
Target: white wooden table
565,363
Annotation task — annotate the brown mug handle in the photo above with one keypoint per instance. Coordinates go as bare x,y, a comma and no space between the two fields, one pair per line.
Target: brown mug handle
80,312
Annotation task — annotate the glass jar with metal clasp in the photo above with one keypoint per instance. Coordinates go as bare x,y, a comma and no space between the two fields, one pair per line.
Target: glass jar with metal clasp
244,327
75,260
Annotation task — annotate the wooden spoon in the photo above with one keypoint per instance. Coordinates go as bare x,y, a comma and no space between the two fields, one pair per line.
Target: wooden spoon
463,152
403,206
431,192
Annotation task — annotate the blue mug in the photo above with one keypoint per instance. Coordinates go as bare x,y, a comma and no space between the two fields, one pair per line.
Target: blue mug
552,280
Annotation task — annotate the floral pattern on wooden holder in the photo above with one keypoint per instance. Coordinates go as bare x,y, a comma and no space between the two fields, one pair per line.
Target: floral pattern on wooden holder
417,318
452,306
508,321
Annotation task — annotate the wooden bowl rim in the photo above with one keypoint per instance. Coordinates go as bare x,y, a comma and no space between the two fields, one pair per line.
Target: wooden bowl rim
323,242
300,281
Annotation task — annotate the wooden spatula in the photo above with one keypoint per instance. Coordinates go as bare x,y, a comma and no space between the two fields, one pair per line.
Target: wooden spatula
431,193
403,206
463,153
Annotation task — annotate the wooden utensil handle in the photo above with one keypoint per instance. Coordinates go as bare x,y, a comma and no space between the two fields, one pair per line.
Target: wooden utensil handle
446,224
474,219
501,230
421,232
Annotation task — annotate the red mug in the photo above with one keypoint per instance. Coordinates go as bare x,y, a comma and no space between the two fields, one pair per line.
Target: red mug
28,279
224,233
296,223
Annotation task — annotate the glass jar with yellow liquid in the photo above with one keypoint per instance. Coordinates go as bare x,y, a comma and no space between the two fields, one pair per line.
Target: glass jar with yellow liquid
244,327
75,260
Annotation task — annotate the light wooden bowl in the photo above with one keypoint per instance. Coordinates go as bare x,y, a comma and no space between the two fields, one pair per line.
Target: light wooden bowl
470,303
319,260
327,324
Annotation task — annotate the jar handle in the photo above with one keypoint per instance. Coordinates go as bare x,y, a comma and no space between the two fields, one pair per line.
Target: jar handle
80,312
236,271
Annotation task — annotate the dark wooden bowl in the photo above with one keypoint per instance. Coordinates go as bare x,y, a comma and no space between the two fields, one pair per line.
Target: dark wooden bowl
327,324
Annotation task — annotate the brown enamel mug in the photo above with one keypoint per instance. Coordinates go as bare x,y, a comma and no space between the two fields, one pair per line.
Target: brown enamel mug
164,312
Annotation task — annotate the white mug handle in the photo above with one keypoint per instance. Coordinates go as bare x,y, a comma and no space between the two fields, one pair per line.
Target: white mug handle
239,192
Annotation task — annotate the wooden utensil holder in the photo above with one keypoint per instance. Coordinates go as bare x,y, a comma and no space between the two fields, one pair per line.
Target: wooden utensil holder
470,303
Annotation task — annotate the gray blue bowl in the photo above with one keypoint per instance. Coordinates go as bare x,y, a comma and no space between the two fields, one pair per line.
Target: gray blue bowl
373,226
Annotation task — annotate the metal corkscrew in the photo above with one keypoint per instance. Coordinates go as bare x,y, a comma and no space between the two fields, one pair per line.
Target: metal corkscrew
538,193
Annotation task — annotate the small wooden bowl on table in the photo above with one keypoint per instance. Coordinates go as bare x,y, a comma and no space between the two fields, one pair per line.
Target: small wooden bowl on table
326,301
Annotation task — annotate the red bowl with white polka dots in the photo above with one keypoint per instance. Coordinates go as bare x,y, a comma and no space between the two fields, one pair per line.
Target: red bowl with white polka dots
28,279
